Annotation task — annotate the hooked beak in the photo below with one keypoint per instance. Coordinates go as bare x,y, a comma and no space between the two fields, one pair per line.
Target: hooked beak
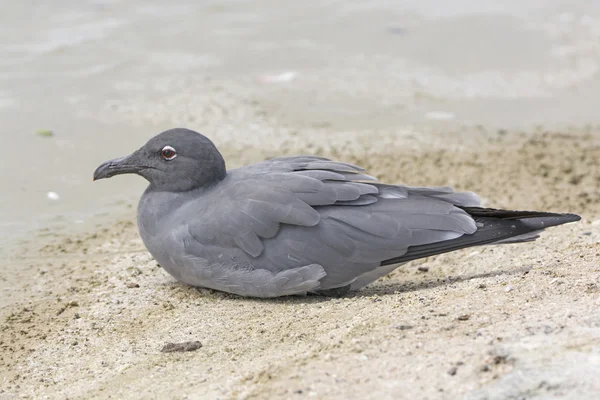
118,166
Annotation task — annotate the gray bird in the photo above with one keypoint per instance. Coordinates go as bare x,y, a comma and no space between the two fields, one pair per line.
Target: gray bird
297,225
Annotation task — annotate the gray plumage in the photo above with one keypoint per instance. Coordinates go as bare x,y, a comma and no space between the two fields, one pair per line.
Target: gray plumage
293,225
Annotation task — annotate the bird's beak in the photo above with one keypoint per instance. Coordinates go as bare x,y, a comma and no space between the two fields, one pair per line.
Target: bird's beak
122,165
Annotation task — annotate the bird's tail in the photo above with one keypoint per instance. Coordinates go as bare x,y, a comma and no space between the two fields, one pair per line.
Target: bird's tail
493,227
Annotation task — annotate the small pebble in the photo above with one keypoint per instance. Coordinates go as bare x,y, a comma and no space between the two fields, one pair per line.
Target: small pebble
132,285
403,327
53,196
181,347
423,268
45,133
452,371
464,317
509,288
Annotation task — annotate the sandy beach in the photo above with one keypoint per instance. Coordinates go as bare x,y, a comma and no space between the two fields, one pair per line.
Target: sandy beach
513,321
499,98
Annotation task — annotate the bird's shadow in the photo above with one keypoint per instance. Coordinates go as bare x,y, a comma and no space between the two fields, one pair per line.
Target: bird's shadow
378,288
381,288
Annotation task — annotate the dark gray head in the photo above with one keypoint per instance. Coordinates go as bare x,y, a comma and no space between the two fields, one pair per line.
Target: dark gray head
176,160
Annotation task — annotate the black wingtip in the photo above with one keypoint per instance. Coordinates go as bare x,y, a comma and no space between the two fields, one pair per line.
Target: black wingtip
535,220
560,218
571,217
546,221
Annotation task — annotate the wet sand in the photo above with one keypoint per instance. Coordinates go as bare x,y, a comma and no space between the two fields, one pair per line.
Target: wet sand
91,312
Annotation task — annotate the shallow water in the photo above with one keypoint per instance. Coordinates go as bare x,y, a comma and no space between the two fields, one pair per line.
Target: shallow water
104,76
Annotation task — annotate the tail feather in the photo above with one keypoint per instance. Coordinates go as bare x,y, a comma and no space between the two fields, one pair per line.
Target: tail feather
494,227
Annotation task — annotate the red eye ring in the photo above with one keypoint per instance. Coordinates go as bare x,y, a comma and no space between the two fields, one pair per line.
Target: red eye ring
168,153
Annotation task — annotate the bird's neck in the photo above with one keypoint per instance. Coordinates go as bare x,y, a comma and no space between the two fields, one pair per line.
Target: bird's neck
155,208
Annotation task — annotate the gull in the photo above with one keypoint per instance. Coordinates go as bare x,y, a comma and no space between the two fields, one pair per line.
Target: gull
300,224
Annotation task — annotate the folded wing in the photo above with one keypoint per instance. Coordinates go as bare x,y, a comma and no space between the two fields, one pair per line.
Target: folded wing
291,212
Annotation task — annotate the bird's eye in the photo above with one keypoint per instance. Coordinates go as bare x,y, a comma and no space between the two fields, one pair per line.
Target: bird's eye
168,153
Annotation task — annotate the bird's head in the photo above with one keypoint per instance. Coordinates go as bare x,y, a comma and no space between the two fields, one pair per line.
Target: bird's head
175,160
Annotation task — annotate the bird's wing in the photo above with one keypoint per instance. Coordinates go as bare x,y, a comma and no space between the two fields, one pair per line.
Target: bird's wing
357,217
264,224
253,202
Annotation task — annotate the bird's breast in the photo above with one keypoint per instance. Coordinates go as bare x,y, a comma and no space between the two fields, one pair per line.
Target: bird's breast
155,217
